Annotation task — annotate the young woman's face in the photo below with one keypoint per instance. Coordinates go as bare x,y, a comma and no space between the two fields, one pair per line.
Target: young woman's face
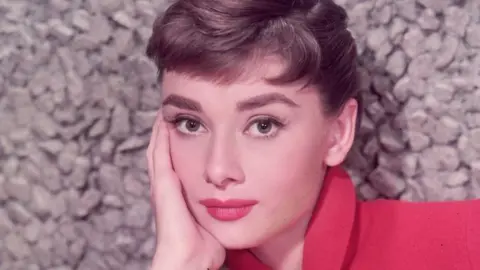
250,141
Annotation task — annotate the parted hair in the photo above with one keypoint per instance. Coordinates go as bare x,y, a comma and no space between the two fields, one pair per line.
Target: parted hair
221,40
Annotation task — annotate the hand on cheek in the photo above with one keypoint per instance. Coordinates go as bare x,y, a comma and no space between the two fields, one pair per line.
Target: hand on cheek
180,242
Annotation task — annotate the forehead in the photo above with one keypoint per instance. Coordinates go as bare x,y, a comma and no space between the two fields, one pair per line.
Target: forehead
253,80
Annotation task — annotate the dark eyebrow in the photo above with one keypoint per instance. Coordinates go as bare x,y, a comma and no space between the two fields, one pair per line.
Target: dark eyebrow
248,104
264,100
182,103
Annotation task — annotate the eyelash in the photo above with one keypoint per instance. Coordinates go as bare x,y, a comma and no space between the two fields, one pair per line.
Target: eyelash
177,119
277,123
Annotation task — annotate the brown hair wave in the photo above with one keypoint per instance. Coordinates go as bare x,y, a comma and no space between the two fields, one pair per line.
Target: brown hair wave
221,39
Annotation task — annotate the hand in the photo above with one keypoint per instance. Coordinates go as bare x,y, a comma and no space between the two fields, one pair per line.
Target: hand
181,243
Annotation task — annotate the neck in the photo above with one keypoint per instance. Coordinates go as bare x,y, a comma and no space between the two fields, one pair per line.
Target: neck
285,251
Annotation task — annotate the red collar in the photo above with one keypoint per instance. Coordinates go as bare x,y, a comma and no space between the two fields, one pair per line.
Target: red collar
330,229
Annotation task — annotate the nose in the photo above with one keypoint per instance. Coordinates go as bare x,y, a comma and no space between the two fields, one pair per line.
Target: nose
223,167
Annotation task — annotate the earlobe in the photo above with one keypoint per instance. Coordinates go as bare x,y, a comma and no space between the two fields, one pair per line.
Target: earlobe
342,134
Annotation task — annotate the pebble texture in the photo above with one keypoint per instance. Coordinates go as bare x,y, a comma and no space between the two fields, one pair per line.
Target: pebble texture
78,98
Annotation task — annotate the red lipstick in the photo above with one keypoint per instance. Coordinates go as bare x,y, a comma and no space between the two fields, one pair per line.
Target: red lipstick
229,210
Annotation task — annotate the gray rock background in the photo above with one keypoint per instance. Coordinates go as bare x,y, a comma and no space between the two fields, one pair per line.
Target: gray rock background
78,97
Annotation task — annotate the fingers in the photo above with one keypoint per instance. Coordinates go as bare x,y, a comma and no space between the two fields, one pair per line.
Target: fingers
164,183
176,229
151,146
158,151
161,152
150,163
171,212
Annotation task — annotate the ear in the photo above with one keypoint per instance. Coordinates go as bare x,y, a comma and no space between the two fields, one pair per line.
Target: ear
342,134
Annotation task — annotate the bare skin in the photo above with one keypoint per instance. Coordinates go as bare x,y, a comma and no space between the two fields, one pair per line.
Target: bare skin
182,244
246,140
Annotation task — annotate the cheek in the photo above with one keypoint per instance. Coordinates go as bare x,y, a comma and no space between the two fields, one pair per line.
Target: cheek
285,166
187,160
287,177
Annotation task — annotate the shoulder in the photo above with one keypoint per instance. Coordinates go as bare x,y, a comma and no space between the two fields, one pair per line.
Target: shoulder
423,218
442,233
447,213
404,209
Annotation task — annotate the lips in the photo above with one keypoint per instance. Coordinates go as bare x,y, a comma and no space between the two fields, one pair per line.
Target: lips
229,210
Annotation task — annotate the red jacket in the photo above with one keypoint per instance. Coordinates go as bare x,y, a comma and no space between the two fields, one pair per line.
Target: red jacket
383,235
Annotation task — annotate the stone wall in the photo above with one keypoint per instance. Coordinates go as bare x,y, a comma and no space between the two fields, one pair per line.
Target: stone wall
77,100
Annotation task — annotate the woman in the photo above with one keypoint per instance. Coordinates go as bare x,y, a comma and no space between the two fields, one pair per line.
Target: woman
258,112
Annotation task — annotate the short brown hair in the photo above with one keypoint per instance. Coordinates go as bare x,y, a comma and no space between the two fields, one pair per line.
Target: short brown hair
218,39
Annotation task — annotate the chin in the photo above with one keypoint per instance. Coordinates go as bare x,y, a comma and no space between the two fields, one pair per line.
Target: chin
237,241
236,236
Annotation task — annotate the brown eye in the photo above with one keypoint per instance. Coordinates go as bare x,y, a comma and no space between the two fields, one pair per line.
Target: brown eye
189,126
264,126
192,126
